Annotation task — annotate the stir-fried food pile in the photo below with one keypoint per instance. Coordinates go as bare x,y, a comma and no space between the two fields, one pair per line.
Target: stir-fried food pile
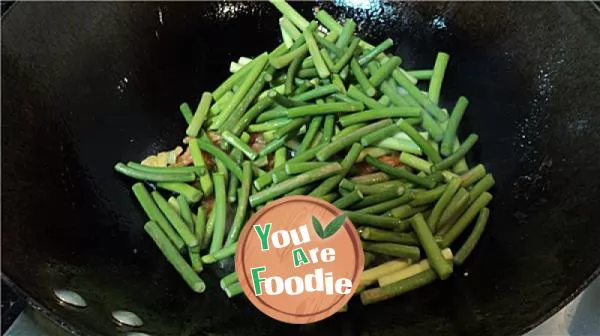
324,114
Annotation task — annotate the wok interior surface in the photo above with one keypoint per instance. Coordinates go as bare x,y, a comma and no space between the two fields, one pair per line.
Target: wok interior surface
89,84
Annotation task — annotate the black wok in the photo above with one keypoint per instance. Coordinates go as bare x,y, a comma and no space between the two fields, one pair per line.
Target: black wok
87,84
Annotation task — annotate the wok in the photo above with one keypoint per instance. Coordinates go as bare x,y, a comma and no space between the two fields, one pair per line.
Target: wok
89,84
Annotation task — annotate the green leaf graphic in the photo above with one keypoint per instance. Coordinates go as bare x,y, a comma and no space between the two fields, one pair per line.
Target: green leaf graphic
334,226
317,226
